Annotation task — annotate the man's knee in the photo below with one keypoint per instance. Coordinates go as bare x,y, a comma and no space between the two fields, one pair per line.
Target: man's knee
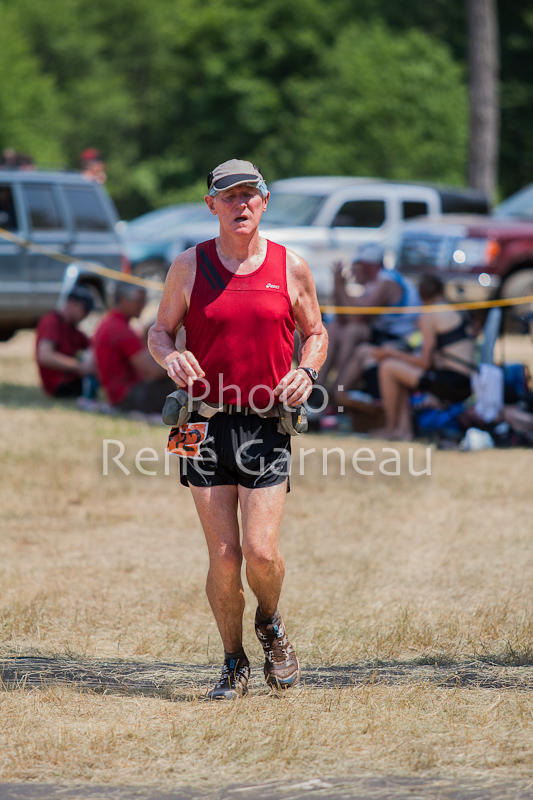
261,558
387,366
227,560
364,351
358,331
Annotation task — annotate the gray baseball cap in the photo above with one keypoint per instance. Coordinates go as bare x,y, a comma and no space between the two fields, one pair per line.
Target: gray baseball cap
234,172
368,253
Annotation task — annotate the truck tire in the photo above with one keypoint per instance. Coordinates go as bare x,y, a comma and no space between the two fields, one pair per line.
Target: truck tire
6,333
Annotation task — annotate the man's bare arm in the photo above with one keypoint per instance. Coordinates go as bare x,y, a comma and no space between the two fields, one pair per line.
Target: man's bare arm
182,367
49,358
382,293
295,387
146,366
424,359
313,335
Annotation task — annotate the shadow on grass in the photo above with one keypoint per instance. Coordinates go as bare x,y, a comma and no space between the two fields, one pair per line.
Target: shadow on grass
15,395
174,681
369,787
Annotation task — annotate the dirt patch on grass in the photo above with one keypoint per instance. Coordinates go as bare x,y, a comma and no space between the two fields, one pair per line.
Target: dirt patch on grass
375,788
185,681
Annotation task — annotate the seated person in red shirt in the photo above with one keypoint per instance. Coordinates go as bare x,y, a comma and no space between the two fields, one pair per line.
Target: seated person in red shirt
60,343
133,381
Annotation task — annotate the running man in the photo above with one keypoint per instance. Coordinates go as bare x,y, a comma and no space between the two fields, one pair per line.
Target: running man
239,298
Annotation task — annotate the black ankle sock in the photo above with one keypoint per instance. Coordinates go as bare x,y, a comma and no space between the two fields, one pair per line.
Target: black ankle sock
262,619
239,655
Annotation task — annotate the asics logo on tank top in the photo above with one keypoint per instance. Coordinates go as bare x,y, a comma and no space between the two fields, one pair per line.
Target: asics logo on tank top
272,286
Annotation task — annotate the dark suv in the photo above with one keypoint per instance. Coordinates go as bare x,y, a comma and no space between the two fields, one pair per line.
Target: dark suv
63,212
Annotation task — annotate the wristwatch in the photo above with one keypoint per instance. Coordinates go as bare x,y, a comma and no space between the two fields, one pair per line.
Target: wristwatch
313,374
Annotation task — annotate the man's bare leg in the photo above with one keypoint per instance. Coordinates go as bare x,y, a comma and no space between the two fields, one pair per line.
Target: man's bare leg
217,510
395,380
261,517
356,333
404,429
353,369
261,511
343,338
390,391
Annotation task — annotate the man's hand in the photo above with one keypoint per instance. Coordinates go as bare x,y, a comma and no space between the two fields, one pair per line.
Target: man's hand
86,368
386,351
183,368
294,388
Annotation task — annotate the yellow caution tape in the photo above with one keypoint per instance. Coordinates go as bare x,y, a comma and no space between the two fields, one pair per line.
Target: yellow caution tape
466,306
106,272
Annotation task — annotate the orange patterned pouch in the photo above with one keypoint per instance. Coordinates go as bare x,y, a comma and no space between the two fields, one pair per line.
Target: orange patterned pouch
186,440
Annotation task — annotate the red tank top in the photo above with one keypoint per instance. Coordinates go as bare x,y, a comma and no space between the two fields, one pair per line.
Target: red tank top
240,327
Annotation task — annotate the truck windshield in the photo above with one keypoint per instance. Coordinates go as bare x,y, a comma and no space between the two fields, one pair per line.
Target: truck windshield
291,210
519,205
167,221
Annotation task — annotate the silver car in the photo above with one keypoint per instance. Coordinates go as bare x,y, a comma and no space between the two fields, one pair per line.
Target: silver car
62,212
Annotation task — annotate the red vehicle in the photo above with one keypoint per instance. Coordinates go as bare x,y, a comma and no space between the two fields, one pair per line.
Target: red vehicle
478,257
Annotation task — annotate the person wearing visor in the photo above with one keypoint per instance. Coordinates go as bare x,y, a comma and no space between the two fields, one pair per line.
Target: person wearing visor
240,298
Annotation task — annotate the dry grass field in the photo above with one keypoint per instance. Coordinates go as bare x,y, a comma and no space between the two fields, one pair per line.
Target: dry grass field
385,574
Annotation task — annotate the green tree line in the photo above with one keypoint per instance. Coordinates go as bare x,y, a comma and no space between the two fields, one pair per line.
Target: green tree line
167,88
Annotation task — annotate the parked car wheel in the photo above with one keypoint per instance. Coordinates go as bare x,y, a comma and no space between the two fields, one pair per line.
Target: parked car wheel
6,333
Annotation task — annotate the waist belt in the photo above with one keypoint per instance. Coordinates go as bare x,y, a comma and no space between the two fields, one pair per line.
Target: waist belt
179,406
227,408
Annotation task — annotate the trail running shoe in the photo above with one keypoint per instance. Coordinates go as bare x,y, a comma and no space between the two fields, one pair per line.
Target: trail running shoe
282,668
233,681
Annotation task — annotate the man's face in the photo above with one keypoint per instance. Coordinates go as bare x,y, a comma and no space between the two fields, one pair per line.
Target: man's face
74,311
138,302
238,209
95,168
133,305
364,272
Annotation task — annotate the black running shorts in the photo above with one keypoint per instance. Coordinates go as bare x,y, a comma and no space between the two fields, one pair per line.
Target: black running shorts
238,449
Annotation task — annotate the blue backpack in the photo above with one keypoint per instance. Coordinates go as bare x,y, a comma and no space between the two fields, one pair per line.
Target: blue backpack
433,420
515,382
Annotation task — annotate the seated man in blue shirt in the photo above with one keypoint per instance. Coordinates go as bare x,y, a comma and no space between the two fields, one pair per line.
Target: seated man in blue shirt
381,287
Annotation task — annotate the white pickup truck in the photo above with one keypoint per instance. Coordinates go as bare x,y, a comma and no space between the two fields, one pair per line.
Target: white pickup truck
325,219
